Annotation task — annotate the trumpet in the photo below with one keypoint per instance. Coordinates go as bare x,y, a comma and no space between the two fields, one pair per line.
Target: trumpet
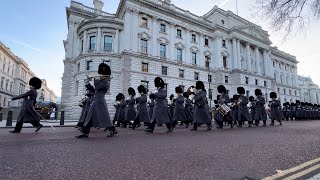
99,76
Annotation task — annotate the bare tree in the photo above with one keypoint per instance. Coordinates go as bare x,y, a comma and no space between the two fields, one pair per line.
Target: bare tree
288,16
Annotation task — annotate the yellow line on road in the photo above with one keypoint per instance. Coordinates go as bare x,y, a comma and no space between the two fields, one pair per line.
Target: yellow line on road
291,170
302,173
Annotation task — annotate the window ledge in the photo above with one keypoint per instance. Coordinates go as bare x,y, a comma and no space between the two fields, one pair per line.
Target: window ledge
143,26
179,37
194,42
163,32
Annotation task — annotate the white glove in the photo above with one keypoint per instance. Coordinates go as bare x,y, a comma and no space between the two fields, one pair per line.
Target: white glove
191,96
127,98
155,91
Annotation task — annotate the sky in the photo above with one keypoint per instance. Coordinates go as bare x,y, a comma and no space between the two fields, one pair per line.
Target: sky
35,29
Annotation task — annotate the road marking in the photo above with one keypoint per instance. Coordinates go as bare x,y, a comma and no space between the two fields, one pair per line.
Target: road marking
291,170
302,173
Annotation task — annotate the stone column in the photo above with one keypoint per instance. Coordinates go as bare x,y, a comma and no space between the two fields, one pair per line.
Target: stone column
270,64
266,63
249,65
217,60
127,30
98,48
258,67
234,54
116,42
155,31
201,47
187,58
85,42
239,55
171,41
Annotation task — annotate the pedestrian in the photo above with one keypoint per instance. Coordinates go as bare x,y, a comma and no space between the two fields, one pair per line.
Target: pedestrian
131,110
276,113
143,113
28,114
179,110
260,108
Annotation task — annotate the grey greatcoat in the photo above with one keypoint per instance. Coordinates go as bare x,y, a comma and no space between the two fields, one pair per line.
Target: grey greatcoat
276,113
189,109
143,113
260,109
28,113
122,111
201,113
131,110
151,107
253,109
179,110
224,99
116,114
243,112
161,112
98,111
86,109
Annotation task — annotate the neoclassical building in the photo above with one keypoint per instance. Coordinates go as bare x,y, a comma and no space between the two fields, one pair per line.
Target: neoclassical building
150,38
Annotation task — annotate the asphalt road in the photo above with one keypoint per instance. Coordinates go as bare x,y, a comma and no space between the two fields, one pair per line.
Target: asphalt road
218,154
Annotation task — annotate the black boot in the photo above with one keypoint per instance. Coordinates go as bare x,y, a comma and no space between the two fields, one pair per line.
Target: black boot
38,128
148,130
112,133
170,130
83,135
14,131
209,128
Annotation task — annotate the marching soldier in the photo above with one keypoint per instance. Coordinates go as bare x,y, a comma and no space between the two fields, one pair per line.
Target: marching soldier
260,108
179,110
143,113
252,107
275,109
131,110
223,100
86,106
189,109
152,97
122,109
234,109
243,113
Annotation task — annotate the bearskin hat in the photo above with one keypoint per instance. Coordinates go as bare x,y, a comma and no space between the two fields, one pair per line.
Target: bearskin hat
236,97
284,104
222,89
158,82
273,95
216,102
104,69
251,98
171,96
142,89
179,89
90,88
89,95
119,97
241,90
35,82
258,92
231,99
200,85
131,91
186,95
293,104
298,102
152,96
218,96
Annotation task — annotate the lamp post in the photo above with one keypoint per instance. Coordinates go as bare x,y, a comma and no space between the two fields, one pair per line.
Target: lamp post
209,79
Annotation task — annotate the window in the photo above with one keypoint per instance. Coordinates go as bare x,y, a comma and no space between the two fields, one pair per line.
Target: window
226,79
274,64
179,54
89,65
11,85
165,86
193,38
225,65
8,70
144,67
247,80
4,101
209,78
144,22
284,91
257,82
248,93
210,94
295,93
162,28
108,43
224,43
81,45
7,84
76,88
12,71
2,81
290,92
279,90
196,76
207,61
194,58
162,51
144,46
182,87
92,43
206,42
164,70
4,66
181,73
145,84
78,67
179,33
265,83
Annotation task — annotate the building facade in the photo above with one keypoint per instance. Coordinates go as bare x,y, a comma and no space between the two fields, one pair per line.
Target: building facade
15,75
150,38
309,91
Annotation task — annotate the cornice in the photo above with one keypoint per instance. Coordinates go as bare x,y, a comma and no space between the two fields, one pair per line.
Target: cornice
103,22
91,55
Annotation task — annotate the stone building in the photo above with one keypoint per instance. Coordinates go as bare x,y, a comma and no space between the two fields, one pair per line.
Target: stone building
15,75
149,38
309,91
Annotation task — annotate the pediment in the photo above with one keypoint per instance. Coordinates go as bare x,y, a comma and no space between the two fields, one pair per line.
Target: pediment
255,32
163,40
207,53
194,49
179,45
144,35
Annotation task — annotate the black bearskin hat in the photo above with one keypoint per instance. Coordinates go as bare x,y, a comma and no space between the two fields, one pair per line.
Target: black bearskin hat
158,82
216,102
90,88
131,91
35,82
119,97
218,96
152,96
185,94
179,90
231,99
142,89
258,92
222,89
284,104
171,96
236,97
241,90
200,85
251,98
292,104
273,95
104,69
298,102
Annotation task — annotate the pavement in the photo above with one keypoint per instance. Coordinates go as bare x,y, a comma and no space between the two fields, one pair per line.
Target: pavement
289,151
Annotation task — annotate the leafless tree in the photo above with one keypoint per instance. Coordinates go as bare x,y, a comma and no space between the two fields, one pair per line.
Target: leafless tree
288,16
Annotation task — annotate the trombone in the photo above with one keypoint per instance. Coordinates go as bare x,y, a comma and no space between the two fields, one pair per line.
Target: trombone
99,76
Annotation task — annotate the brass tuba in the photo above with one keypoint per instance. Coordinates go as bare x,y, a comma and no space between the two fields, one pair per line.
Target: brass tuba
191,90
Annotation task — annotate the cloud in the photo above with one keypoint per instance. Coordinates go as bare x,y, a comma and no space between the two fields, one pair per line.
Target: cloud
26,45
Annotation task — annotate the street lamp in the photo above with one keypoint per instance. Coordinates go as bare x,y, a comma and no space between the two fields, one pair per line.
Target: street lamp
209,78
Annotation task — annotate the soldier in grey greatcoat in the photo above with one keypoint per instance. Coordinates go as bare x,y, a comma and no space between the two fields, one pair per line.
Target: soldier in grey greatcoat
223,100
201,113
189,109
260,108
252,107
171,108
131,109
117,107
160,112
179,110
98,115
276,113
151,104
286,111
299,112
122,110
90,93
292,111
28,114
243,113
234,109
143,112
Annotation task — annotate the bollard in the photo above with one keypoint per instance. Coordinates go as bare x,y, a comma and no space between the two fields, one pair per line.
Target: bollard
9,118
0,117
62,118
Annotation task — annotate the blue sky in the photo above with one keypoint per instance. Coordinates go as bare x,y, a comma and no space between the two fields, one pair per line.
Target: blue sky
35,29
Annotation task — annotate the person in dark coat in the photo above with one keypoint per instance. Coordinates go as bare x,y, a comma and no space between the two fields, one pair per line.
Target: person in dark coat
98,115
28,114
122,109
143,112
161,113
243,113
201,113
90,93
299,112
189,109
171,107
286,111
252,107
151,104
260,108
292,111
179,110
131,109
223,100
275,109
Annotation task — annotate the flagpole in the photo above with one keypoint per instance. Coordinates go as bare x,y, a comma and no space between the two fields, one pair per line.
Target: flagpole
237,7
